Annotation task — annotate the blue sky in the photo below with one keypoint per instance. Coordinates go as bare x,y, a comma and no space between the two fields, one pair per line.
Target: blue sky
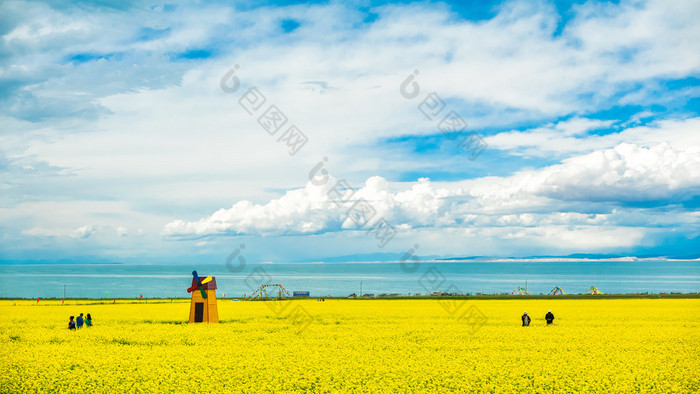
118,142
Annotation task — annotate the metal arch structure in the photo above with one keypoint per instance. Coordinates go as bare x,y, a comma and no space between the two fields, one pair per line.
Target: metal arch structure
594,291
520,291
271,290
557,291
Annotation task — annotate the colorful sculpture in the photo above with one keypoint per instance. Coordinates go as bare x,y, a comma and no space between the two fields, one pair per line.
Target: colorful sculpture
203,306
270,290
594,291
519,291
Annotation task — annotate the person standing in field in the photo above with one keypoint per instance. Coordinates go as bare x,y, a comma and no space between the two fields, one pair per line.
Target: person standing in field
88,321
526,319
71,324
79,321
549,317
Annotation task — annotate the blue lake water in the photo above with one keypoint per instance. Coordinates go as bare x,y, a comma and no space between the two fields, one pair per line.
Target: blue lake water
342,279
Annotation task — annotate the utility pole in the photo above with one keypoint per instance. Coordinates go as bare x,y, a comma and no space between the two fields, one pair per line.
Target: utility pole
526,286
64,291
360,288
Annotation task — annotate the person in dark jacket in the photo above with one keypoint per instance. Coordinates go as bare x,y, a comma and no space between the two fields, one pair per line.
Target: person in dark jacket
526,319
79,321
71,324
549,317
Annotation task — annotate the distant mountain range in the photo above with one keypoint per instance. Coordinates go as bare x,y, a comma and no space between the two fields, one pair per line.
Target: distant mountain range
394,257
571,257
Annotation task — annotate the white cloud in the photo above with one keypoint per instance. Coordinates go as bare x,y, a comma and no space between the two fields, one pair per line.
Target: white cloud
83,232
572,136
625,173
565,194
139,138
190,128
298,211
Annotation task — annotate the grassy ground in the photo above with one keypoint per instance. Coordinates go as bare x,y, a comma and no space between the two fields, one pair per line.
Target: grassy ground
74,301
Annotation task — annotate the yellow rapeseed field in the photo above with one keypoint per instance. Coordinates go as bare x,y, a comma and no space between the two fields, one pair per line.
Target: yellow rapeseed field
649,345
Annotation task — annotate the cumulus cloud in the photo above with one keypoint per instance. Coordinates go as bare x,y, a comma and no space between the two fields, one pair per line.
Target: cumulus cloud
556,195
299,211
625,173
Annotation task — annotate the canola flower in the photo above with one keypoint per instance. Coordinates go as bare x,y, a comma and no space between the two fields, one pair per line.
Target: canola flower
366,346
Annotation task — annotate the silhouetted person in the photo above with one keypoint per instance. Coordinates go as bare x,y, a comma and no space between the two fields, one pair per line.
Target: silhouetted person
549,317
71,324
79,321
526,319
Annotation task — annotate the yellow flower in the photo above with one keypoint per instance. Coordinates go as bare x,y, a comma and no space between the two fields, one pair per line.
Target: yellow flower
364,346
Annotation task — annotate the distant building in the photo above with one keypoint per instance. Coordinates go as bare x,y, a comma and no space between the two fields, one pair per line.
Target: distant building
301,294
